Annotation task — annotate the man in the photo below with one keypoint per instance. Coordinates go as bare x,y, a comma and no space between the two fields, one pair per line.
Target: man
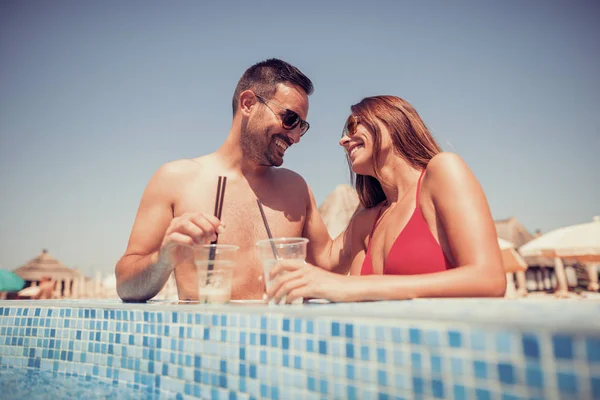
270,106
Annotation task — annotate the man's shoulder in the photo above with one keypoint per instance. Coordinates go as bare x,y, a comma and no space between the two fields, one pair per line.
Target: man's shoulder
181,168
288,175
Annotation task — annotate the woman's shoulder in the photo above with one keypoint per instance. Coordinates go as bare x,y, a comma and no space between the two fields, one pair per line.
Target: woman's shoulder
446,172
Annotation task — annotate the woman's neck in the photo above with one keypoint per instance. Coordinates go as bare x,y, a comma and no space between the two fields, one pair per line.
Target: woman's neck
397,180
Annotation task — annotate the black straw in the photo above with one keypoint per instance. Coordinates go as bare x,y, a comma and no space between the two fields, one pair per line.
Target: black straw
220,196
264,218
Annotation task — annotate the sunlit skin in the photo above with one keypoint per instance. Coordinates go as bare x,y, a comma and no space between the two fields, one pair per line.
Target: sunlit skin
455,210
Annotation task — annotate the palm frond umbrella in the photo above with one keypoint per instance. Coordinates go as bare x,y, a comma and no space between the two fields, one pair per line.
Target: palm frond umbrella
577,242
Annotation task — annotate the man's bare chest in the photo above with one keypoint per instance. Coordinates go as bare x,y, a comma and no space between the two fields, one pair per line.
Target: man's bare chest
285,213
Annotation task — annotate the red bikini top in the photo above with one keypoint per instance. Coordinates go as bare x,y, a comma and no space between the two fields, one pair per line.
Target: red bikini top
415,250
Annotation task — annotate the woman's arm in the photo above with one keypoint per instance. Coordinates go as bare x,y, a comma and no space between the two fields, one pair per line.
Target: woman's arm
464,219
464,216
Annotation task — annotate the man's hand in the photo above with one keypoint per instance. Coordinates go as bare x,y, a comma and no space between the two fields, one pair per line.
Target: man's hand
185,231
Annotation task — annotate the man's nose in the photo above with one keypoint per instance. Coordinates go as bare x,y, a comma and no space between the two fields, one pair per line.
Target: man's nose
294,135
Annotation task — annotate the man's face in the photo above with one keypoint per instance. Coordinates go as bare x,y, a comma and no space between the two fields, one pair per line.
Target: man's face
264,140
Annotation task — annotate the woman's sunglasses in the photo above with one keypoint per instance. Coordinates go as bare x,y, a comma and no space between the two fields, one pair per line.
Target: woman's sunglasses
289,119
351,125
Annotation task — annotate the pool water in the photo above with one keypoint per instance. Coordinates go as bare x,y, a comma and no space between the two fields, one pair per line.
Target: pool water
24,383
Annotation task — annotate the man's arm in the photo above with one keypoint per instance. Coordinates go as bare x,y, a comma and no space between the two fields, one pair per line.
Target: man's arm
159,241
332,255
141,273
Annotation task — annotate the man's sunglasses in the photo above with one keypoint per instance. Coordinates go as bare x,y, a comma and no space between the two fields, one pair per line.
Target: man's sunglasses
289,119
351,125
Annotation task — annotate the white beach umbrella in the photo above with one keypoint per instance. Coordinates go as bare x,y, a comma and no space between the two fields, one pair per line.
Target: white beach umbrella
580,242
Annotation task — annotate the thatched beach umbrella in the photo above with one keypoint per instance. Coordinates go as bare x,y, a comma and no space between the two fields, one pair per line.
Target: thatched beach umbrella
46,266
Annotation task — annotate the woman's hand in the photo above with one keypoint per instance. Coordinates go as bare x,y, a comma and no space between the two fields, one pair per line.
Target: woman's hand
294,280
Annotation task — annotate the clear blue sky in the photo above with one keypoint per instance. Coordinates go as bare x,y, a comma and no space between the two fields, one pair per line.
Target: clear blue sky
96,95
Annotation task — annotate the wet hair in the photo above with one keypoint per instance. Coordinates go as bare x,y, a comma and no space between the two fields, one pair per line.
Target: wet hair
263,78
410,138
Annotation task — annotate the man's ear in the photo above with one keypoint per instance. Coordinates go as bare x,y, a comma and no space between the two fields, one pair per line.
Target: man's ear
247,100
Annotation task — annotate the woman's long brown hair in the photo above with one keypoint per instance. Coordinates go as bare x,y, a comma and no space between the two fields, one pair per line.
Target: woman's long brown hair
411,139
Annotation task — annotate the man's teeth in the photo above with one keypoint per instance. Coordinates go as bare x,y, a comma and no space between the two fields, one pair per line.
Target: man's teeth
281,144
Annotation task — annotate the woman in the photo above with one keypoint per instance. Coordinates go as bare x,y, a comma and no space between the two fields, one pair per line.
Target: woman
425,229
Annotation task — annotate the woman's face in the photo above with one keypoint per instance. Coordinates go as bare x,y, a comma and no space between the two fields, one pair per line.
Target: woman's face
358,143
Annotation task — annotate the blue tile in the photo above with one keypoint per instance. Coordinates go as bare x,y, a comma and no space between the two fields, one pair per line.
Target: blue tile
414,336
396,335
297,325
349,331
264,391
310,345
253,371
503,341
310,327
592,346
508,396
432,338
311,384
381,358
364,353
350,372
506,373
482,394
286,325
297,362
595,385
480,369
263,357
323,386
567,382
335,329
478,340
381,378
534,376
531,347
415,361
437,388
349,350
436,364
460,393
322,347
562,346
454,339
285,343
351,392
418,385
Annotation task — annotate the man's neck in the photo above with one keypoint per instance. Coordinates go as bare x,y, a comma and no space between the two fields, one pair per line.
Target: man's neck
231,155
